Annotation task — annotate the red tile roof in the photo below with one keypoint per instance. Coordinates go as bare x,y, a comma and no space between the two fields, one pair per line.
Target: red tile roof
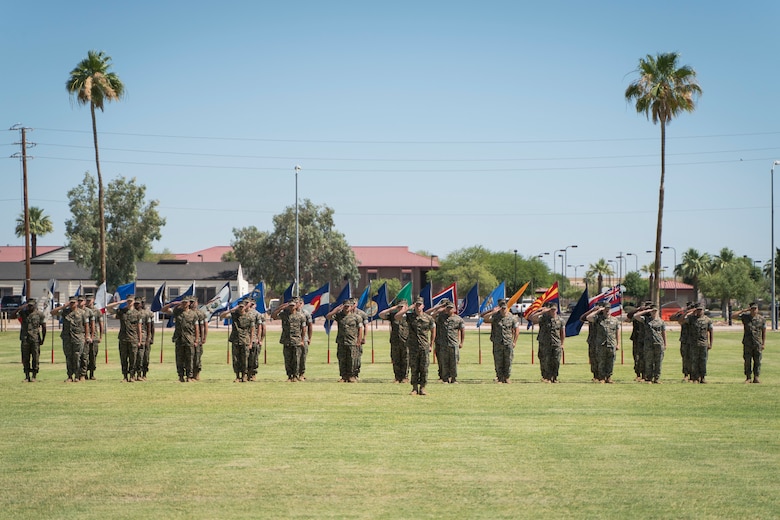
391,256
671,285
16,253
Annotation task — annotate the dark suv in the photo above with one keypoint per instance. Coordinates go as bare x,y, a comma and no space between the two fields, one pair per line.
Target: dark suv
9,304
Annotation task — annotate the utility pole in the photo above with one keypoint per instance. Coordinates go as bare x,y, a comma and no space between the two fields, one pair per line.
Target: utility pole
23,156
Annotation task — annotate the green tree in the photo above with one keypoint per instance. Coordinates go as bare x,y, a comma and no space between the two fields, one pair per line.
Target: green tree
662,91
132,225
731,281
598,271
40,225
636,286
325,254
91,83
694,265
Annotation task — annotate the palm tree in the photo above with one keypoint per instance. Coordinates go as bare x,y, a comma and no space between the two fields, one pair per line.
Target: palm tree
725,257
693,266
91,83
40,225
599,269
662,91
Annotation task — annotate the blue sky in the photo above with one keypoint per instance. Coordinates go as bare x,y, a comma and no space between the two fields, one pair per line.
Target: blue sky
437,125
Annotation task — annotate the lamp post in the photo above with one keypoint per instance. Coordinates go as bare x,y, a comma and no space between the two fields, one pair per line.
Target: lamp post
575,269
541,257
565,257
674,272
514,276
610,261
297,238
636,260
772,204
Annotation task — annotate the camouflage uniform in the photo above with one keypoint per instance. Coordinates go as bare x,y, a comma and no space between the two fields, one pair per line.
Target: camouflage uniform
148,318
187,335
448,342
197,356
364,320
305,352
241,337
699,342
550,346
293,324
143,348
74,323
129,318
686,346
654,347
418,343
752,343
501,334
607,328
87,354
348,349
31,335
258,322
399,352
592,350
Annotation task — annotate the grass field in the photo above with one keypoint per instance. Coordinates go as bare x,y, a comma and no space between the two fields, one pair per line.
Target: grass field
319,449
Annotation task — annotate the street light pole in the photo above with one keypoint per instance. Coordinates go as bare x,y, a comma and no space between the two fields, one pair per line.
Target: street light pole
772,204
636,260
565,257
514,276
297,238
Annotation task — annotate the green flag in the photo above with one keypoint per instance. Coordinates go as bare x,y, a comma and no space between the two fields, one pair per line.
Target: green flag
405,294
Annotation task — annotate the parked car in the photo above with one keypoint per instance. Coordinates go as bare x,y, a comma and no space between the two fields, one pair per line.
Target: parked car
521,306
9,304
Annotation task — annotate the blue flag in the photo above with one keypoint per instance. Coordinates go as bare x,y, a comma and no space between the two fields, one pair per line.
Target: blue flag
80,290
381,300
122,292
346,293
288,293
573,324
471,303
363,300
159,298
491,300
426,295
258,295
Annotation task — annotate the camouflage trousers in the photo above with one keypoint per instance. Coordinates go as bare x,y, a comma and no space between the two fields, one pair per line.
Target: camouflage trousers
654,356
399,355
448,363
292,359
638,353
72,350
419,360
240,359
89,357
31,357
128,357
606,362
184,355
752,357
698,361
549,361
686,353
503,355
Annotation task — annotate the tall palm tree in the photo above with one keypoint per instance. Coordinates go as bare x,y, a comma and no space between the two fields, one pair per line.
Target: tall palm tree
40,225
599,269
91,83
662,91
724,257
693,266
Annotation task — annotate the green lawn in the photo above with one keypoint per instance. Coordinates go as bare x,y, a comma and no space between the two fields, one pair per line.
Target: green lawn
319,449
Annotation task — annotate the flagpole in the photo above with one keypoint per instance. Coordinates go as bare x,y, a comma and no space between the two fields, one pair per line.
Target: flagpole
105,335
52,340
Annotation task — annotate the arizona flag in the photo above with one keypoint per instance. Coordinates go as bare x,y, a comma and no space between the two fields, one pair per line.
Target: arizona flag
550,295
317,302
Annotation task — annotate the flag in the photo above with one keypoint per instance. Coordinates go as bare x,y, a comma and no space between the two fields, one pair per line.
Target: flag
288,293
470,305
80,290
189,292
101,298
404,294
122,292
612,295
425,294
366,304
218,302
450,292
24,292
550,295
316,302
258,295
573,324
159,298
344,295
380,300
51,287
491,300
517,295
